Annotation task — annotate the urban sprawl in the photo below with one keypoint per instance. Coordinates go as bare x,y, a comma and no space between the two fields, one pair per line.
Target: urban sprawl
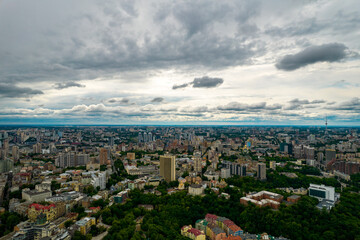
163,182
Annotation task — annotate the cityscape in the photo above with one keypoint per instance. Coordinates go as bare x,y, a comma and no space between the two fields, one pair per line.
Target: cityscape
163,182
183,119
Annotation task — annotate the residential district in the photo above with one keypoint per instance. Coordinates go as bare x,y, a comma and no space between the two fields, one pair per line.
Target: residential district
137,182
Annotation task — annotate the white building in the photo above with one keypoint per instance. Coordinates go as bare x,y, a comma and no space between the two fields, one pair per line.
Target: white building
99,180
322,192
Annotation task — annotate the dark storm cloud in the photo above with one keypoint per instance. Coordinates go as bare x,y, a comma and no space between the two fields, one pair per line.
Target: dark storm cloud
157,100
203,82
98,43
207,82
331,52
67,85
12,91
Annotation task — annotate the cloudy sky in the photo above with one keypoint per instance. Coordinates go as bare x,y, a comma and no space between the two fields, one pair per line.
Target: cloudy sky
179,62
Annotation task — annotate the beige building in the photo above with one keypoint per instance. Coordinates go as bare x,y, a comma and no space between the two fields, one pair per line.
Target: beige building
167,168
130,156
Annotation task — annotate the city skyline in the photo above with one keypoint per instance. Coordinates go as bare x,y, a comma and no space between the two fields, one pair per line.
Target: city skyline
179,63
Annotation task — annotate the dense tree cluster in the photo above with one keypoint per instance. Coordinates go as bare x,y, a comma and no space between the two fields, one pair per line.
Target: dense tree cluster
298,221
8,221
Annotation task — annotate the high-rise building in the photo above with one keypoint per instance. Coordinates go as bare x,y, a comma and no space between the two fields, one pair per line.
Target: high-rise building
330,155
82,159
235,168
37,148
103,156
309,152
167,168
15,153
197,164
111,141
261,171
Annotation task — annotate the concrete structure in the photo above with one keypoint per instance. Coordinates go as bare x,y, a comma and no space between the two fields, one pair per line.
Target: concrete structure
35,196
167,168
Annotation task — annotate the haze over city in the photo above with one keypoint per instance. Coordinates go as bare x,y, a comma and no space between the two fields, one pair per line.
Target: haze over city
180,62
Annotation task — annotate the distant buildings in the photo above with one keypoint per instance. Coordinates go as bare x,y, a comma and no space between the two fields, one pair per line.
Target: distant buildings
235,168
167,168
71,159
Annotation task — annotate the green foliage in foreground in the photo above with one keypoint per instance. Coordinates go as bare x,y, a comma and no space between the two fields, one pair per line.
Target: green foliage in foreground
8,221
299,221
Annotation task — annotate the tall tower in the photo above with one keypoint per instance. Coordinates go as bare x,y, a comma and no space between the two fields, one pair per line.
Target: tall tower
261,171
167,168
326,123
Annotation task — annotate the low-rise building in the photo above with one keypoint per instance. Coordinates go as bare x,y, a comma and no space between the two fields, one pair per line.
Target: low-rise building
196,189
293,198
40,213
35,196
192,233
85,224
263,199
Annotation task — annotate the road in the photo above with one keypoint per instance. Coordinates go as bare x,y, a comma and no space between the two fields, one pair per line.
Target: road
100,236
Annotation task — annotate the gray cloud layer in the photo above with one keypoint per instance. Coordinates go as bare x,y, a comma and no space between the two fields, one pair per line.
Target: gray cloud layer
67,85
203,82
331,52
12,91
157,100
